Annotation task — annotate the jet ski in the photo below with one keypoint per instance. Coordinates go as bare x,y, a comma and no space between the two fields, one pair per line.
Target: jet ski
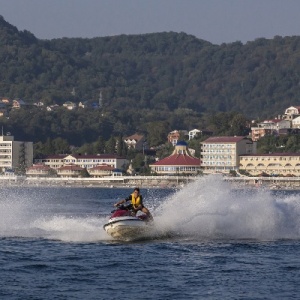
125,225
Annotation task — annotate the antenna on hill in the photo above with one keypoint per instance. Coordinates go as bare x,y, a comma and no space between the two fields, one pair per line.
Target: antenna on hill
100,99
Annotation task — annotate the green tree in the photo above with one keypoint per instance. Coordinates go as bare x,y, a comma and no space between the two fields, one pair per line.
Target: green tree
110,146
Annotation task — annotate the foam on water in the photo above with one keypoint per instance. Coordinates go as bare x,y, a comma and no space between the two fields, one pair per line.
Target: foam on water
205,209
24,215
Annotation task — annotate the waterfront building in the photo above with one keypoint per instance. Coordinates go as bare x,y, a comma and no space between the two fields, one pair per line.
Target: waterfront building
15,154
221,153
86,161
101,171
178,163
274,164
70,171
38,170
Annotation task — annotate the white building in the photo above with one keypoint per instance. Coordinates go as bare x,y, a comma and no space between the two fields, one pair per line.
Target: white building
221,153
296,123
84,161
193,133
14,154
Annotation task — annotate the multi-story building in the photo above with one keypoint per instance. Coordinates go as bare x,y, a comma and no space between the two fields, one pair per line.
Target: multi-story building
268,127
15,154
286,164
221,154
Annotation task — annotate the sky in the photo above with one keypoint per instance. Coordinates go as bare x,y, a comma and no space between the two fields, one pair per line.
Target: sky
216,21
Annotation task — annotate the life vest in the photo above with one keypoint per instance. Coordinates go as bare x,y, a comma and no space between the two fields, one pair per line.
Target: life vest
136,201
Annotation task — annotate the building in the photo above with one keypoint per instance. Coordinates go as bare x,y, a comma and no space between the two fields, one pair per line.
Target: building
257,133
291,112
70,171
18,103
273,164
175,135
83,160
70,105
178,163
268,127
221,154
39,170
135,141
101,171
14,154
196,133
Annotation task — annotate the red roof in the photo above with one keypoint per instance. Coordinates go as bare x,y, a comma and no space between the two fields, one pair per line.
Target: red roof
224,139
103,168
71,167
39,167
78,156
178,160
135,137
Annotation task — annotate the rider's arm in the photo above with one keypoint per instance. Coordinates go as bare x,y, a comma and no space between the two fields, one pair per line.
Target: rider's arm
123,201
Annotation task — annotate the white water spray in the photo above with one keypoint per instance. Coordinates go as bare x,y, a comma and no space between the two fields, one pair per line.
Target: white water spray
205,209
209,208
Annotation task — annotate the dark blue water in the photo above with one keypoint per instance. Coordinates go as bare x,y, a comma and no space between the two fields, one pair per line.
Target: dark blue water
214,243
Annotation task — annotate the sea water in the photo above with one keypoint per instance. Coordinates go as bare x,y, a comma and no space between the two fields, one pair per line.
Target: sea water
210,242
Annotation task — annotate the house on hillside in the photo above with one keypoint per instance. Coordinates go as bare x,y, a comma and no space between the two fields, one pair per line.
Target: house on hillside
268,127
291,112
52,107
135,141
175,135
196,133
69,105
18,103
5,101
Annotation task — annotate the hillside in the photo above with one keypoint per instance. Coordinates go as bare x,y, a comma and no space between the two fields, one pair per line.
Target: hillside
145,79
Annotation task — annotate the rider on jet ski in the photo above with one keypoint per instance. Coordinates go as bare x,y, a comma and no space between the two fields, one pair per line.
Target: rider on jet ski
137,203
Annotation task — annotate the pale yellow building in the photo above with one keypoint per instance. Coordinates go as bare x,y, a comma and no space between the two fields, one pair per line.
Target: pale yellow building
286,164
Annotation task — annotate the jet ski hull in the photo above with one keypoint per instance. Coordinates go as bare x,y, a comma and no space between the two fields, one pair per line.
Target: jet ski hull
127,228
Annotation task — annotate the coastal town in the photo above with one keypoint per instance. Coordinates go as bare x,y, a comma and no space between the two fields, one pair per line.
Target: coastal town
232,156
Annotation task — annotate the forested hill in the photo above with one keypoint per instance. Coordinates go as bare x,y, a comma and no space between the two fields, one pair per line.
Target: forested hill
170,76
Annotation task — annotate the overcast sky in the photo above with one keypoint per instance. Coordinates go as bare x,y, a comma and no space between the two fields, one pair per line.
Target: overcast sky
216,21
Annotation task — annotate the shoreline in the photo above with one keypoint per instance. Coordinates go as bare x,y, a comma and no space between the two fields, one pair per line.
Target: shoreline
171,182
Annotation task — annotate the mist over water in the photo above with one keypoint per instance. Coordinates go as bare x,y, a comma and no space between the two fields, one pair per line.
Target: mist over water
206,209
